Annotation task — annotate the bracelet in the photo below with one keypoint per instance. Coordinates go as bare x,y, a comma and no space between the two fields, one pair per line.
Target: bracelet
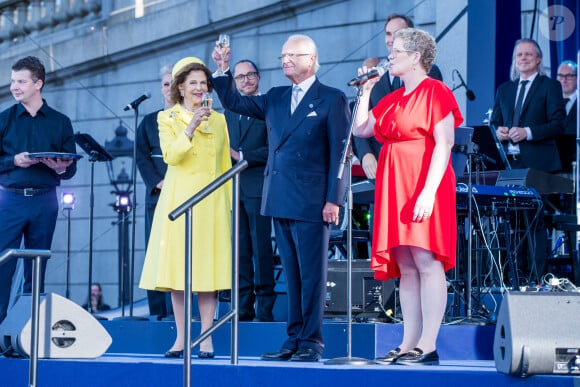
60,172
187,134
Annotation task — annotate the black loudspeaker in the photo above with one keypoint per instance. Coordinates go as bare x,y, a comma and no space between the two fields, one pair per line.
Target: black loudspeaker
368,294
538,333
65,330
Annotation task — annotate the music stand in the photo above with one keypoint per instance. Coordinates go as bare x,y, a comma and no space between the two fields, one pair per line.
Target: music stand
462,147
96,153
489,145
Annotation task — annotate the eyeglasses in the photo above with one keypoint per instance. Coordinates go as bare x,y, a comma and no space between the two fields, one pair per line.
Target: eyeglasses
395,53
250,76
566,76
291,56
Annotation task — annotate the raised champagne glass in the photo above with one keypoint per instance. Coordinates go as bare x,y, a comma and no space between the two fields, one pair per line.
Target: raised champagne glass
224,43
206,100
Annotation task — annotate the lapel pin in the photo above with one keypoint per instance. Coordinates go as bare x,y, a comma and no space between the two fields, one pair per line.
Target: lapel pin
311,106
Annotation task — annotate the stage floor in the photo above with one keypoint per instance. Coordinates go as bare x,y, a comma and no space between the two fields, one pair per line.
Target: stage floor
135,359
153,370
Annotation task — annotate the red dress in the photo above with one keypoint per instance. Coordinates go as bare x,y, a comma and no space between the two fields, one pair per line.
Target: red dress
405,125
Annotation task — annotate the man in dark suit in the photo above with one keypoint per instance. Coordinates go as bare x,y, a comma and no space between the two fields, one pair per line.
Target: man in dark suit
307,126
152,169
367,149
528,128
567,73
528,114
249,141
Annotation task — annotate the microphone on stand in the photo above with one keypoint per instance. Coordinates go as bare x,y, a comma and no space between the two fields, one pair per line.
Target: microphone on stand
137,102
376,72
468,92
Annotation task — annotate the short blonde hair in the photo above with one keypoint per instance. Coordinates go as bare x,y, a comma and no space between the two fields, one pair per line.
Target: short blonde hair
419,41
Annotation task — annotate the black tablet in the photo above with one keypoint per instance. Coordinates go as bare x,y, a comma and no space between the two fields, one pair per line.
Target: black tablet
54,155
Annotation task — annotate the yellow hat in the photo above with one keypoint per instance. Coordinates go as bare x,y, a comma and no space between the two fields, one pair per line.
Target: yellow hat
182,63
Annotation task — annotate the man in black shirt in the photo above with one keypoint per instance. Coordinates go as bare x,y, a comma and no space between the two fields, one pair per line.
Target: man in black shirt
28,202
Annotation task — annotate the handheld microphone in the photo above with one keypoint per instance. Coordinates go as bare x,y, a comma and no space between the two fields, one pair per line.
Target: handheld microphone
376,72
468,92
137,102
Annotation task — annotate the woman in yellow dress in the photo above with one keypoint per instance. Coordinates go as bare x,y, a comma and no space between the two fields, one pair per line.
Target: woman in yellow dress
195,146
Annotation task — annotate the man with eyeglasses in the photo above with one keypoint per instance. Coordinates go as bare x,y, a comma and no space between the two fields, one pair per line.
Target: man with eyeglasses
367,149
307,125
528,113
567,72
249,141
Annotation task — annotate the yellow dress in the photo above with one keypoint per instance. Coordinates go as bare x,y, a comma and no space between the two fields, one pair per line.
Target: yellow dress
192,164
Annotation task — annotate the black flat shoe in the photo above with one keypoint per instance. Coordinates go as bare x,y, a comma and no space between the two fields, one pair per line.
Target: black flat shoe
205,355
417,357
306,355
174,354
390,357
281,355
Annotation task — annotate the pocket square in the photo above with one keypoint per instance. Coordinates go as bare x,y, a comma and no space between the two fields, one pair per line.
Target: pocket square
312,114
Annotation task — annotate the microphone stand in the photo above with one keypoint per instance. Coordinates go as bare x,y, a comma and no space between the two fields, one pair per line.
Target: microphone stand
346,160
96,153
135,106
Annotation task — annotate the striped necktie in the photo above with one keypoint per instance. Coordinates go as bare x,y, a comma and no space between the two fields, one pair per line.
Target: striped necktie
295,98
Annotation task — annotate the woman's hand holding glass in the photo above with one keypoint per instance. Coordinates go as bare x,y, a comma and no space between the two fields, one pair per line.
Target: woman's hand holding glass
200,114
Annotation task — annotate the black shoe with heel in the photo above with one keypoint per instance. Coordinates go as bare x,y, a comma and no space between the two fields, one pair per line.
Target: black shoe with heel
390,357
205,355
417,357
174,354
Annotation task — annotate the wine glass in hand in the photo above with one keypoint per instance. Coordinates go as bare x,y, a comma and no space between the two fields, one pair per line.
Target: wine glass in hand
206,101
224,43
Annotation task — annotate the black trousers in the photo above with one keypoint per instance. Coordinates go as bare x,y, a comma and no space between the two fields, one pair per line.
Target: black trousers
27,219
256,270
303,250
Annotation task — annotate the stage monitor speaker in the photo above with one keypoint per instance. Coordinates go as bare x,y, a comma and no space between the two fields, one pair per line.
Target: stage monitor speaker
538,333
367,292
65,330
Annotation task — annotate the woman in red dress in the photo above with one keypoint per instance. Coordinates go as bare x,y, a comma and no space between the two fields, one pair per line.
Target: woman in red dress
415,227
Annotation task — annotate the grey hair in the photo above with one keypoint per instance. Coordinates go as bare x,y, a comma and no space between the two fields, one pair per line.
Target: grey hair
421,42
514,73
166,69
568,63
312,47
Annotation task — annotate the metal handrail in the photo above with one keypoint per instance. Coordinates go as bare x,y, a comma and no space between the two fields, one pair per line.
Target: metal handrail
186,208
208,189
36,256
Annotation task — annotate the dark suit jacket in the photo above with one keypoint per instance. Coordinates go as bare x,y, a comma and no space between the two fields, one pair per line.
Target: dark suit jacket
304,148
252,139
362,146
149,156
542,112
567,141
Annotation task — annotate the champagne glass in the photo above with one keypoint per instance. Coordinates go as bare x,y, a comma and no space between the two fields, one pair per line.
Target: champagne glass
224,43
206,101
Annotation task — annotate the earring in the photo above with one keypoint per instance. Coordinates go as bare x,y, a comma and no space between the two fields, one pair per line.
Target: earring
182,93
